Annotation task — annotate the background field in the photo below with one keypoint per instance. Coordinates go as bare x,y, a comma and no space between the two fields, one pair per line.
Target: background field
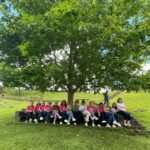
21,136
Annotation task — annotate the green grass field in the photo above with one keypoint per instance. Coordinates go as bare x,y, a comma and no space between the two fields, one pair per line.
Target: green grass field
21,136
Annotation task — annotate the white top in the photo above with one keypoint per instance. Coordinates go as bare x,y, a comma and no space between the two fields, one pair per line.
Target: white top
82,107
121,106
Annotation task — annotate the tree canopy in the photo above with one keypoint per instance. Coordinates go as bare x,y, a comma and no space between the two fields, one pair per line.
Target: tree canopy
76,45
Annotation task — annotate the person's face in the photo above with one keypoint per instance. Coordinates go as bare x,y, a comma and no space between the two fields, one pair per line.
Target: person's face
120,100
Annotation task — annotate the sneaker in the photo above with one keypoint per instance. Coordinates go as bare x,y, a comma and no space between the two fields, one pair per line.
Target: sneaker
68,123
118,124
129,124
93,125
73,119
52,116
75,123
65,120
113,126
41,118
26,121
86,124
35,120
103,121
60,123
125,124
108,126
115,123
98,125
30,120
60,117
54,122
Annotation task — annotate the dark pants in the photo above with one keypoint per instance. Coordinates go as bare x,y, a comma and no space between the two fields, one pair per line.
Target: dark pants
63,115
78,116
125,115
30,115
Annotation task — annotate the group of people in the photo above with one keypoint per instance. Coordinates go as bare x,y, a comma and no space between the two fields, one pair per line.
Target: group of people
78,114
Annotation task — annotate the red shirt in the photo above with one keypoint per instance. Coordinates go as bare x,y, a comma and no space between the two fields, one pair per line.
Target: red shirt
91,108
30,107
100,109
62,108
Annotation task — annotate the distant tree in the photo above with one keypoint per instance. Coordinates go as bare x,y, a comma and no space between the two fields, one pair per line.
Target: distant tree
76,45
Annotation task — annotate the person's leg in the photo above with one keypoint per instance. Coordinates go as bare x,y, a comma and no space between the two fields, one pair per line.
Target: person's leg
87,116
70,116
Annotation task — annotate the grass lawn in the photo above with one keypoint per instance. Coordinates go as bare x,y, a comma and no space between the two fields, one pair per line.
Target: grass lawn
21,136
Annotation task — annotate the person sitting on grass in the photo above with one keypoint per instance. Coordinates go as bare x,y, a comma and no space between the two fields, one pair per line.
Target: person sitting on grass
110,117
114,111
100,112
55,112
30,112
85,112
66,112
92,110
121,109
77,114
47,112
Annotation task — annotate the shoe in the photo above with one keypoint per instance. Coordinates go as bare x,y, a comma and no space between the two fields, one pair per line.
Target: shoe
75,123
86,124
73,119
60,123
129,124
41,118
35,120
115,123
54,122
108,126
93,125
30,120
113,126
118,124
26,121
60,117
65,120
68,123
52,116
103,121
98,125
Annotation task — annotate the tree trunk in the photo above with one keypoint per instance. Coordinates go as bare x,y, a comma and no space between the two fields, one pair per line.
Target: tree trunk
70,98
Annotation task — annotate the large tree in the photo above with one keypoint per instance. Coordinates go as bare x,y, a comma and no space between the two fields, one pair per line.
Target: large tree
76,45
